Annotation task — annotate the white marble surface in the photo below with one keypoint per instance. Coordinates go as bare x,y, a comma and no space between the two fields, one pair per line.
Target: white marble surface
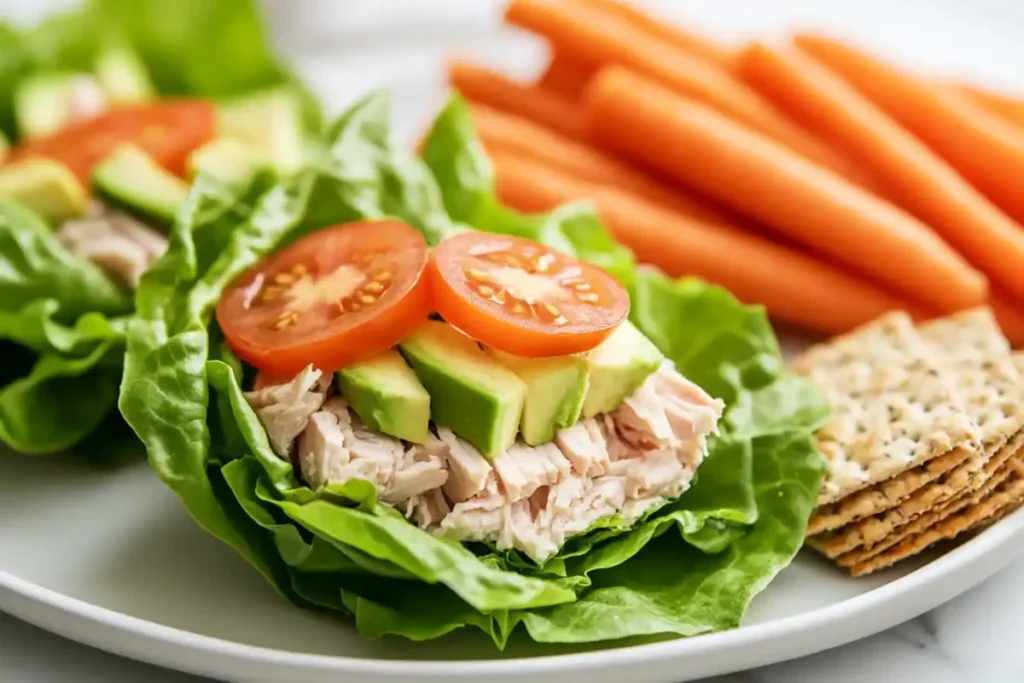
347,46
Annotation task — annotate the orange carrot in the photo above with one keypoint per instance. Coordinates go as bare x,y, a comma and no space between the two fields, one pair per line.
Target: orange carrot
1010,315
564,76
1006,106
549,109
926,185
984,148
594,38
759,178
670,32
500,131
794,287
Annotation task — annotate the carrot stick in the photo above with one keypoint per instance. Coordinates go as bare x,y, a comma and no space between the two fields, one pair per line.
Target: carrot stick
793,287
670,32
1010,315
500,131
1005,106
594,38
564,76
984,148
759,178
549,109
926,185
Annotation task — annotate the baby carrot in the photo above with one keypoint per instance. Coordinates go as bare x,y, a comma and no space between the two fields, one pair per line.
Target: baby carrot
763,180
479,84
793,287
500,131
925,184
564,76
593,38
984,148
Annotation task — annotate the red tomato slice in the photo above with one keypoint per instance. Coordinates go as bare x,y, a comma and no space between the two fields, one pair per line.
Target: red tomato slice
168,131
522,297
338,296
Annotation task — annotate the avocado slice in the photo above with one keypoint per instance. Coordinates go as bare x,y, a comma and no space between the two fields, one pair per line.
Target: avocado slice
618,366
224,158
555,388
130,178
270,122
46,102
41,104
123,76
46,186
386,395
470,393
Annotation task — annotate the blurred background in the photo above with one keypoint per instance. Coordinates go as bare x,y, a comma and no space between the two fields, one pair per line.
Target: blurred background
345,47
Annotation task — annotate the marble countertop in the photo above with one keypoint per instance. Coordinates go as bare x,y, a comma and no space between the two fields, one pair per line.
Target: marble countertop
343,49
974,637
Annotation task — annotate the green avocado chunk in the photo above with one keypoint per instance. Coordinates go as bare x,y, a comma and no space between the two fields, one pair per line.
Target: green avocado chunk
386,395
42,103
227,159
123,76
45,186
131,179
470,393
270,122
555,388
618,366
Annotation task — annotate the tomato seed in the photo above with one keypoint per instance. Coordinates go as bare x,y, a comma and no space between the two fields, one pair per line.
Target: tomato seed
374,288
283,279
552,309
590,298
477,274
485,291
382,276
519,308
367,299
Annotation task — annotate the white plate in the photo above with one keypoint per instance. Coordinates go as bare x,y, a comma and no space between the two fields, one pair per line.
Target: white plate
109,558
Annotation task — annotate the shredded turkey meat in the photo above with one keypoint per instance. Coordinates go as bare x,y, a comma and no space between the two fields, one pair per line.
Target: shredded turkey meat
531,498
122,246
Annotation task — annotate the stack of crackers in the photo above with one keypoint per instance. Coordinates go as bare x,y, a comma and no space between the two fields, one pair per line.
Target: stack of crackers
926,440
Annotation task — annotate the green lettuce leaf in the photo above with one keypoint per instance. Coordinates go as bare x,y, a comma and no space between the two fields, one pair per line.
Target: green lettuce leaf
54,306
688,567
171,36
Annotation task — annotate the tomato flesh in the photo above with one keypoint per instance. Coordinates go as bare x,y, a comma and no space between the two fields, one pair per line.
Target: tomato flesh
522,297
169,132
338,296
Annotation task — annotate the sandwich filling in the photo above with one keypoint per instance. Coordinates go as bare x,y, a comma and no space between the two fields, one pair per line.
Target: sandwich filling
528,498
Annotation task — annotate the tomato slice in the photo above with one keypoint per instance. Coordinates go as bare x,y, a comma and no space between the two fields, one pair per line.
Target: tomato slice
522,297
168,131
338,296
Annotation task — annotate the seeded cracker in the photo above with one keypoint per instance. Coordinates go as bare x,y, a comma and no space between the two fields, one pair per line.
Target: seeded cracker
1001,501
1000,474
977,358
894,409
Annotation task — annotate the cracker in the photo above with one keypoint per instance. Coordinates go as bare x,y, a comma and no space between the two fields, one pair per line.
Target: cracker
1002,500
1010,460
894,408
885,495
971,345
977,358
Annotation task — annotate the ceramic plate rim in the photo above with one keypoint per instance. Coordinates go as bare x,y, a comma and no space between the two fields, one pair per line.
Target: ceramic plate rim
768,642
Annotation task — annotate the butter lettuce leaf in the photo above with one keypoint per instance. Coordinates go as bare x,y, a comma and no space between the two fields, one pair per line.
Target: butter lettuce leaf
689,567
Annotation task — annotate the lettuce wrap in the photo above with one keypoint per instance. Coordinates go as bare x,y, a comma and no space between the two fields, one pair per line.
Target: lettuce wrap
687,567
63,318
